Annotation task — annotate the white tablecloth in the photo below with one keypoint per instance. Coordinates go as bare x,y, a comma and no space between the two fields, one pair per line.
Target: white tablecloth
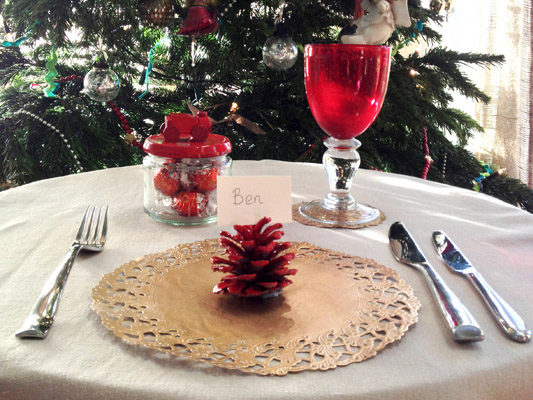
81,359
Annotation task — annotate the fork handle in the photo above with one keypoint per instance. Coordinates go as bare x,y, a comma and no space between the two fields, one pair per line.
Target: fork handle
513,325
43,313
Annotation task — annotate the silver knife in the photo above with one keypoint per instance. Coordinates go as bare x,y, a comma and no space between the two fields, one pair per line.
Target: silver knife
463,326
509,320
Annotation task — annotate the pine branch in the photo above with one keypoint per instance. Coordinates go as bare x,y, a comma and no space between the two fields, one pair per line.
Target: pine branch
511,191
440,68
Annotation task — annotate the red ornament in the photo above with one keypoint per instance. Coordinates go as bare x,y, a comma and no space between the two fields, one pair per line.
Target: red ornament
206,179
428,160
255,263
166,183
190,203
200,19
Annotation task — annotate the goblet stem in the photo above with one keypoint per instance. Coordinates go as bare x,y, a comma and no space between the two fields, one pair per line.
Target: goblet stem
339,208
341,162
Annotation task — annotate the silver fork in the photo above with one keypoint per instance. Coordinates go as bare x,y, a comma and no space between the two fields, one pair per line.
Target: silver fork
91,236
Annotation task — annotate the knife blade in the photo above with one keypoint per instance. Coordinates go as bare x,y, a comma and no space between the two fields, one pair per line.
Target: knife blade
462,324
512,324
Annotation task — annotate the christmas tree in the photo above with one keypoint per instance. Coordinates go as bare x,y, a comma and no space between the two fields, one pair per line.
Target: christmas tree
51,127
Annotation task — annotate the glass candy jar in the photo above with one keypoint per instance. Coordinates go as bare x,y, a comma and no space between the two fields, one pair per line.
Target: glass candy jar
181,171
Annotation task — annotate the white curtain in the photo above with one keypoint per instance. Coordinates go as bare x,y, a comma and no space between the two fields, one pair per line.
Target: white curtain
498,27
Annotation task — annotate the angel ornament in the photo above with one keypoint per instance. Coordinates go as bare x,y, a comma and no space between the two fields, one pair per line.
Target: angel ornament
375,27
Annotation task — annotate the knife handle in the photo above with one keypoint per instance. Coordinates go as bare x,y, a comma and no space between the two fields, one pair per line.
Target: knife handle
513,325
463,325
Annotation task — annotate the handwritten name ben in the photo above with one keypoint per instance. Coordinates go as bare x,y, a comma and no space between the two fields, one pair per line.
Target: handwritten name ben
248,199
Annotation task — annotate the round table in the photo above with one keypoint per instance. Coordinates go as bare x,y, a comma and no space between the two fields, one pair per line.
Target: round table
82,359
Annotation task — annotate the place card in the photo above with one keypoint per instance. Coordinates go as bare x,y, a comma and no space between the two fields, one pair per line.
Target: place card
244,200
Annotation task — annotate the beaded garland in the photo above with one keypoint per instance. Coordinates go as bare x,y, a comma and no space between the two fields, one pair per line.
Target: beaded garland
333,12
227,8
130,137
428,159
70,78
63,137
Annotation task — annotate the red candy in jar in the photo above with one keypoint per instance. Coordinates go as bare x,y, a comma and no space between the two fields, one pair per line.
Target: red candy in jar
189,203
206,180
166,182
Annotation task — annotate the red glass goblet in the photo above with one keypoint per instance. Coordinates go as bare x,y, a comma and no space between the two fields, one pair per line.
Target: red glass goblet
345,86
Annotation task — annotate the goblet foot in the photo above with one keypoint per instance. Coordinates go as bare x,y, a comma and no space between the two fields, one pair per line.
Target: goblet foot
357,215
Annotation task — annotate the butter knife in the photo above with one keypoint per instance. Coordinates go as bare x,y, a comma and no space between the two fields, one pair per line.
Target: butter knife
462,324
509,320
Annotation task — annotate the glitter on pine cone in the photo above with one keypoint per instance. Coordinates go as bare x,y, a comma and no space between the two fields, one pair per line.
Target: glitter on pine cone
255,264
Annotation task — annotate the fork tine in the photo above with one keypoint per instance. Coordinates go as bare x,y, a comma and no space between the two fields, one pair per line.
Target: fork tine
104,227
97,227
90,227
82,225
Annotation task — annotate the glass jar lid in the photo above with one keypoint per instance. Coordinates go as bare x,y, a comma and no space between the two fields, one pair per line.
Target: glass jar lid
213,146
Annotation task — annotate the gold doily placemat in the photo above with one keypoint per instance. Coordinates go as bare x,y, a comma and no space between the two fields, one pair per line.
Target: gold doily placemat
340,309
347,216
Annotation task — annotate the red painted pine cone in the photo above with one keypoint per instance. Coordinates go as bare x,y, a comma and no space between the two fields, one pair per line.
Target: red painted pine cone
254,261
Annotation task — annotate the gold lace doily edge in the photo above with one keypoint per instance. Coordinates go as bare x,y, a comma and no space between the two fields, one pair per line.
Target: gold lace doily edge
385,313
296,216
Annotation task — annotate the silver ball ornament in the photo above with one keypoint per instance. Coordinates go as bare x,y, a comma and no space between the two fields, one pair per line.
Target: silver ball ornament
101,83
280,52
